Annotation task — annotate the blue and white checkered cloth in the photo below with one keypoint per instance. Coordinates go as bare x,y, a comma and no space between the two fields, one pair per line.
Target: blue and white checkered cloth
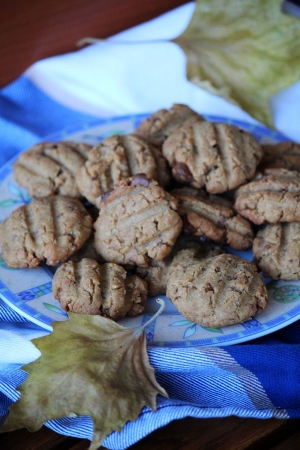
258,379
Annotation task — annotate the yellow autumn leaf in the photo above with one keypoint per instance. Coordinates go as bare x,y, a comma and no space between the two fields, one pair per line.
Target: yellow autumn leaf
91,366
243,50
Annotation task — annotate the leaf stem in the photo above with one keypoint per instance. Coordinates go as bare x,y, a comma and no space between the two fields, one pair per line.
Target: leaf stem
91,40
153,318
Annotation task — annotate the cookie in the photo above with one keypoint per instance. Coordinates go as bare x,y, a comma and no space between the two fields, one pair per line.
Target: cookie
157,273
284,155
276,249
137,222
116,158
157,127
271,197
216,292
212,217
49,168
86,287
47,230
216,156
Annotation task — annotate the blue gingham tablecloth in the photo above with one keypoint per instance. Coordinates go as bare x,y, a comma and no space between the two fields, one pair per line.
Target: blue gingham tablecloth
260,378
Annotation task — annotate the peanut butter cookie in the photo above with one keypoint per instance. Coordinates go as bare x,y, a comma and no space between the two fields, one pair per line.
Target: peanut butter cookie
116,158
46,230
216,156
276,249
216,292
156,274
157,127
271,197
284,155
86,287
137,222
49,168
212,217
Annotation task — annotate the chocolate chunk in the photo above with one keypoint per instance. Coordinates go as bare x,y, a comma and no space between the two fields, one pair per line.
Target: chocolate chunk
140,179
182,173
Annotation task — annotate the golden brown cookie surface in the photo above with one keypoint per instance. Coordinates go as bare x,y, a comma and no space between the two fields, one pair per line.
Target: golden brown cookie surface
215,155
270,197
212,217
216,292
86,287
51,229
137,222
157,127
157,273
49,168
276,249
116,158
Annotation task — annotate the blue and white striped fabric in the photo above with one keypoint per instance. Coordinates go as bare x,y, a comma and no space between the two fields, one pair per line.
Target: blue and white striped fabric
259,379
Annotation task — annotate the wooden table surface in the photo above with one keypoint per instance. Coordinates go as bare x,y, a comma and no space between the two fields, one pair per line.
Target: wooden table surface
232,433
29,32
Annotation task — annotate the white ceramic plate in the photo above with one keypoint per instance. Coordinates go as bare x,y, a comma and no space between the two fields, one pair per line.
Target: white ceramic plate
28,291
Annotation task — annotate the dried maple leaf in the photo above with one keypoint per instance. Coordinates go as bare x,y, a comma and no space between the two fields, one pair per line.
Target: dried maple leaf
91,366
243,50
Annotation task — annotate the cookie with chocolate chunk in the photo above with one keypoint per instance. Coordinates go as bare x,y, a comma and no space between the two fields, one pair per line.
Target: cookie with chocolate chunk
217,156
216,292
86,287
137,222
157,127
276,249
212,217
46,230
116,158
49,168
273,196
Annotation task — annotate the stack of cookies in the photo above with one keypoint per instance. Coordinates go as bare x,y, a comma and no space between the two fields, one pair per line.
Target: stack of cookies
153,212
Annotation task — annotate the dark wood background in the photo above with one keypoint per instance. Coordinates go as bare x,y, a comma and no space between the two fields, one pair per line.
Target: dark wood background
230,433
34,29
